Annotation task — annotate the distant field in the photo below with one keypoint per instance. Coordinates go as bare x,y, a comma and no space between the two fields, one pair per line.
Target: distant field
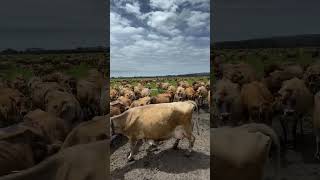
259,58
28,65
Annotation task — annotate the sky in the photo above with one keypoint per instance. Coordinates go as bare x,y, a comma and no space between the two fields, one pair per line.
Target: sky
157,37
56,24
248,19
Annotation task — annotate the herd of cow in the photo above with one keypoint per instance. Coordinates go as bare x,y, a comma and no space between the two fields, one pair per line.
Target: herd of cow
246,107
47,122
140,116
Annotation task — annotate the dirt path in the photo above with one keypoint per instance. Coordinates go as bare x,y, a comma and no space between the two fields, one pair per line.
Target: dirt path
167,163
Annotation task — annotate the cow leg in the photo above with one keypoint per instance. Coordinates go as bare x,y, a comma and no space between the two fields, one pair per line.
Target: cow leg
191,139
294,131
284,128
133,144
301,119
317,154
176,143
153,146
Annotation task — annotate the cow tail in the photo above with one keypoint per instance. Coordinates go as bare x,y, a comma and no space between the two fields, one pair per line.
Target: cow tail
198,116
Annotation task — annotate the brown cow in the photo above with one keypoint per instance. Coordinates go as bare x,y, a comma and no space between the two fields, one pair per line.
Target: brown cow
257,102
156,122
190,93
125,101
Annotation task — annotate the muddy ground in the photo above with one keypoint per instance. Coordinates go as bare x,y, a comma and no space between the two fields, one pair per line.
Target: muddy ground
166,163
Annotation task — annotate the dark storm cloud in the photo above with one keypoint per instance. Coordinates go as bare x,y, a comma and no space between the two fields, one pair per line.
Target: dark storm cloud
247,19
54,24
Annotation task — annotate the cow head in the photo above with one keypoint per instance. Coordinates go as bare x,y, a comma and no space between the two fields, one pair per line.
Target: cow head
288,100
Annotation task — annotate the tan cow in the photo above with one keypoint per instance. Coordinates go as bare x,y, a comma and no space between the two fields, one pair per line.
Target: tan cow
52,128
65,106
157,122
126,101
201,94
141,102
257,102
241,152
145,92
117,107
180,94
190,93
39,90
81,162
88,132
114,94
161,98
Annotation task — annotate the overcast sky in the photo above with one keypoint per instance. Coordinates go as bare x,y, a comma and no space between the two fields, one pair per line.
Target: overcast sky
55,24
247,19
159,37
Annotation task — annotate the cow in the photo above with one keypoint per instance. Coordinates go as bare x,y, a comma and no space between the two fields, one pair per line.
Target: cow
156,122
241,152
190,93
39,90
114,94
201,94
88,95
227,103
13,106
296,101
117,107
80,162
312,77
52,128
21,147
240,73
145,92
316,123
65,106
161,98
257,102
67,82
180,94
125,101
141,102
88,132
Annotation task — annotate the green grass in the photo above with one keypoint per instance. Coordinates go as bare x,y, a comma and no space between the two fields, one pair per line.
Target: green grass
78,71
12,72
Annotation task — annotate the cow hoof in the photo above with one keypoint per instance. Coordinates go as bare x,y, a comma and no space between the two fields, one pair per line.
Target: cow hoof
130,160
175,147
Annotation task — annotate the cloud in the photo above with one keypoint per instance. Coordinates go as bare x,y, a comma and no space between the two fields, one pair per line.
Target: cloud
159,41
